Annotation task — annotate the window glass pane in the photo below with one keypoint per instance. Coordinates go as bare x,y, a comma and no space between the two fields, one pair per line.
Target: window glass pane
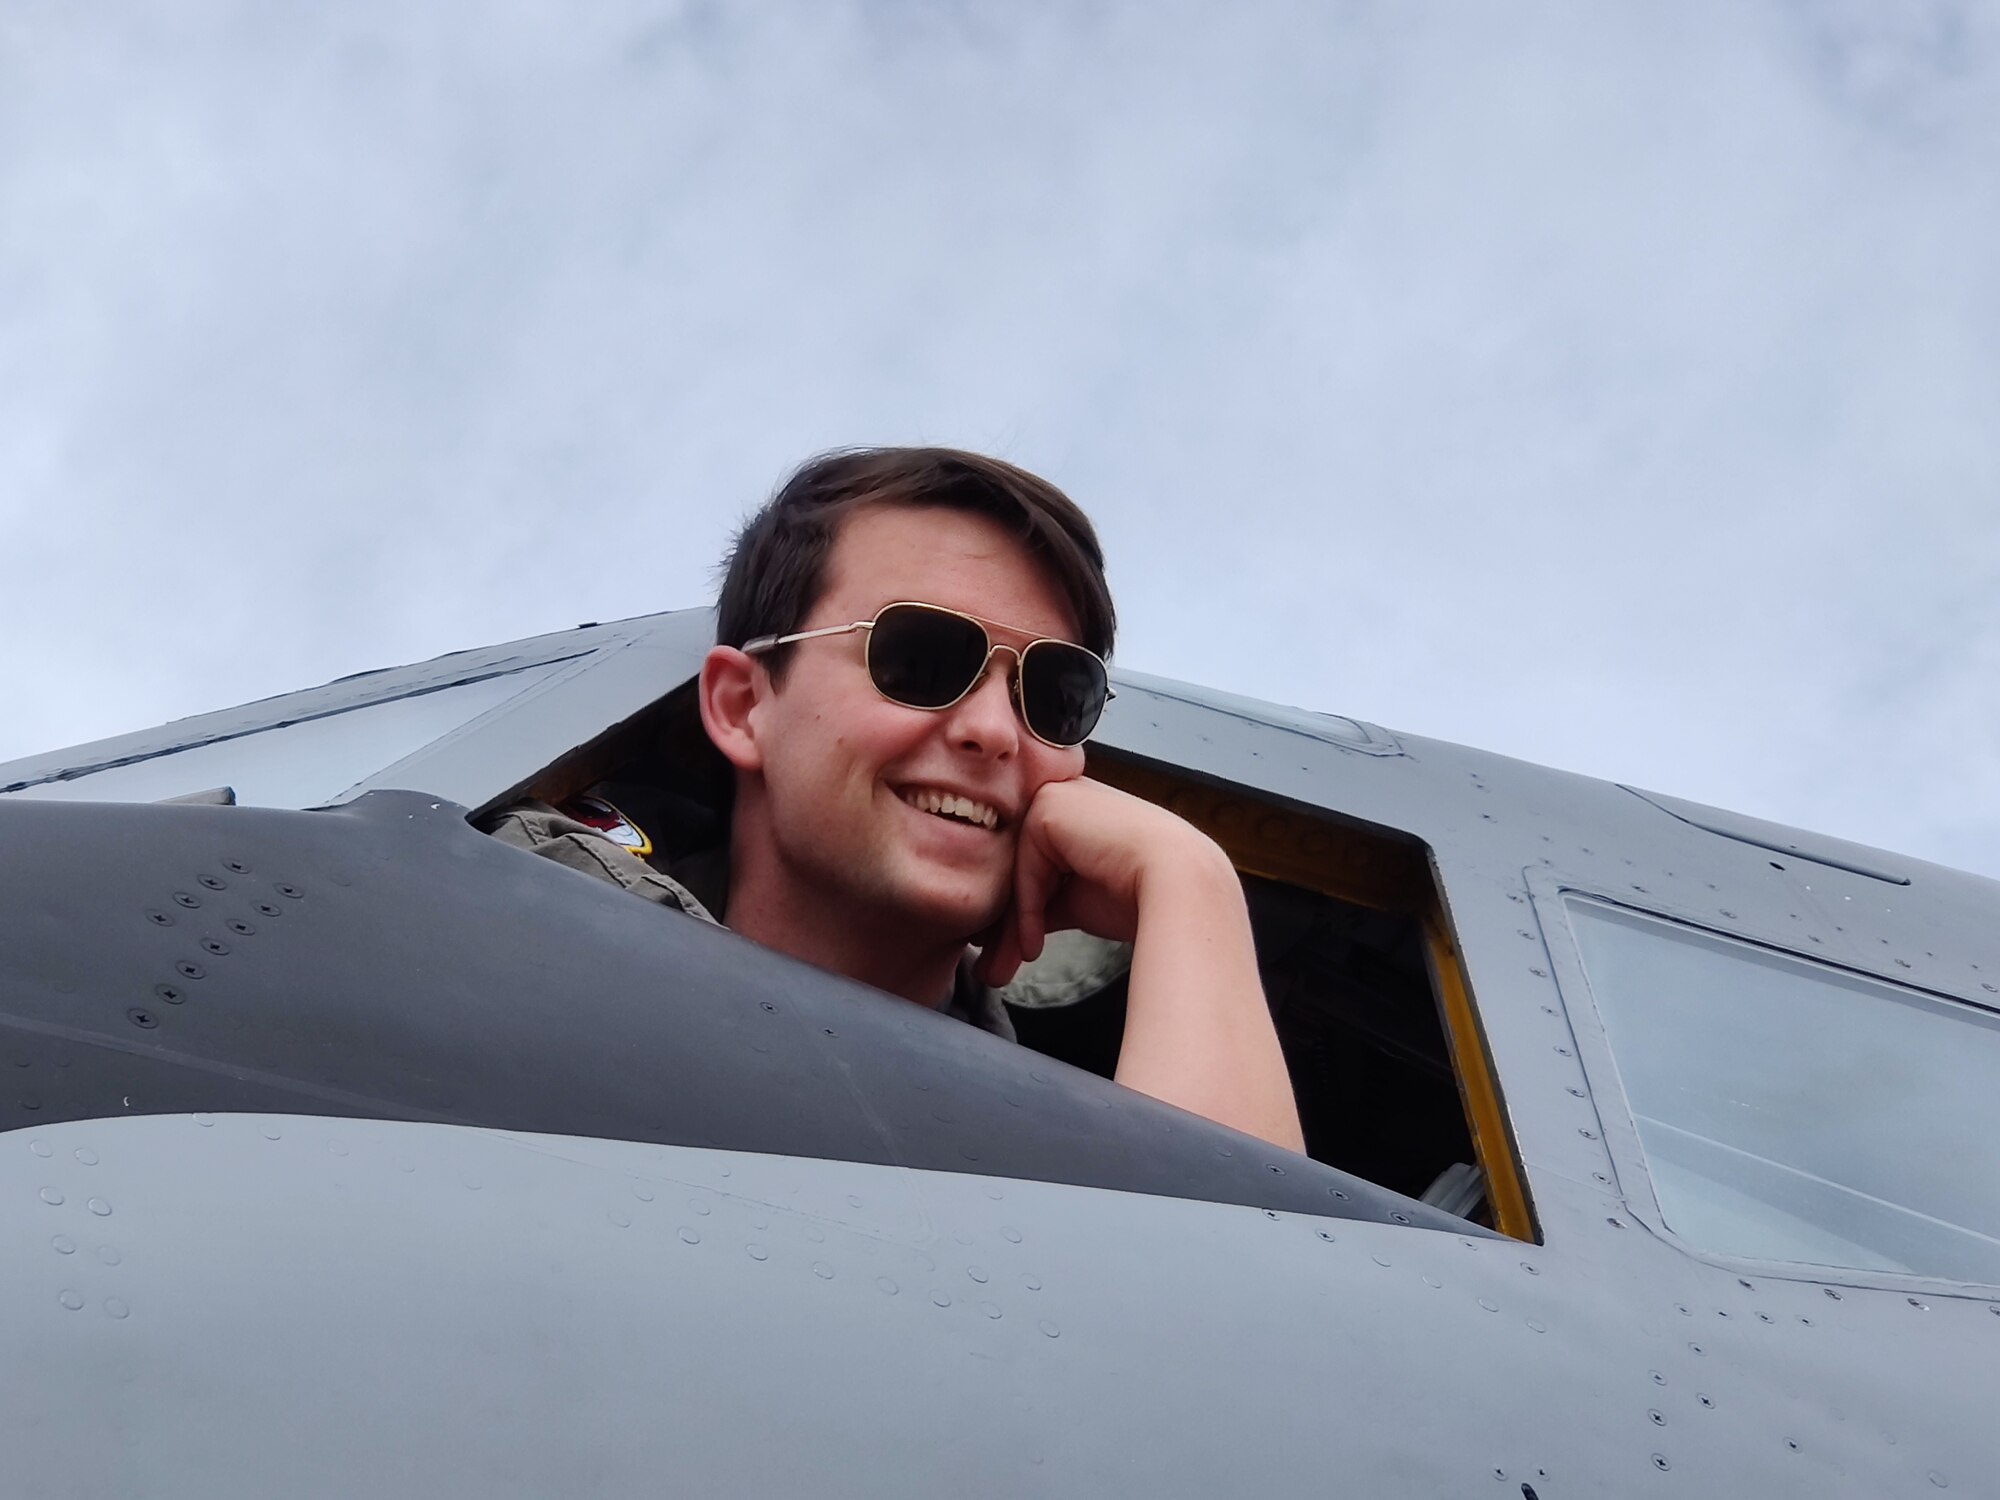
304,764
1791,1111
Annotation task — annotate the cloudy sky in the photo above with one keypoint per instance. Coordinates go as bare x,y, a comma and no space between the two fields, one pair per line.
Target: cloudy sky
1615,386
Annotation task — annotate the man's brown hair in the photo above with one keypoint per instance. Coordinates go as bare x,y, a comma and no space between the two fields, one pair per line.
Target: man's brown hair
776,570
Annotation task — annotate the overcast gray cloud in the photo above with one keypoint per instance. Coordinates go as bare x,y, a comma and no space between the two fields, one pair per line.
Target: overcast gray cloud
1613,386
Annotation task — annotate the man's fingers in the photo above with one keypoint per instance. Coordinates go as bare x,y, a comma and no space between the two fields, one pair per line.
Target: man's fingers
1036,878
999,954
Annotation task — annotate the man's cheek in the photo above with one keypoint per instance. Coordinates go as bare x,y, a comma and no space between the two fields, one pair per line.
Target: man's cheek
1069,768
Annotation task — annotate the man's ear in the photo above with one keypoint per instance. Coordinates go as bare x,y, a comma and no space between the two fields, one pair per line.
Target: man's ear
732,685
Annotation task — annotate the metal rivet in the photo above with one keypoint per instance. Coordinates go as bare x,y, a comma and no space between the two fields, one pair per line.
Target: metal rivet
159,919
188,969
169,993
212,946
236,867
290,892
214,883
142,1018
1660,1462
184,899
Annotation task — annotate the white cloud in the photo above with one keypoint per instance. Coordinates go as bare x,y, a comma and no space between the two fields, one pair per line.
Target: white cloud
1611,387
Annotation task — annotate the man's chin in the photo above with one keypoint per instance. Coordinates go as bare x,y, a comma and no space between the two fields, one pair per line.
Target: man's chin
955,916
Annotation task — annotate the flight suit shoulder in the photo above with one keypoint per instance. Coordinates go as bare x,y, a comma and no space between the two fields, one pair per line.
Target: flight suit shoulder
553,834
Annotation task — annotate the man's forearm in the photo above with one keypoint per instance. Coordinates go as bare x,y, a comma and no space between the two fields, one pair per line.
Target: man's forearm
1198,1033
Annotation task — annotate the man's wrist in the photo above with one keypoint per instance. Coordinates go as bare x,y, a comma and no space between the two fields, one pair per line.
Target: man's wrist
1196,870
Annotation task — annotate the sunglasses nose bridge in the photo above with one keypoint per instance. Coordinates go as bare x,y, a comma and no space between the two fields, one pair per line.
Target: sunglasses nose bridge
1016,706
986,668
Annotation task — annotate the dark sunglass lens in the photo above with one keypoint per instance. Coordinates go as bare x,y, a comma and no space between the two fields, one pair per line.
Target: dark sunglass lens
1062,691
925,658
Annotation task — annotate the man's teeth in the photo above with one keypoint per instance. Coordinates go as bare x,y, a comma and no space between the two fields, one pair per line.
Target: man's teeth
945,805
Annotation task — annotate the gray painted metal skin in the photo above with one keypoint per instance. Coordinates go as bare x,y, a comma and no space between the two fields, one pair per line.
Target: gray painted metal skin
310,1303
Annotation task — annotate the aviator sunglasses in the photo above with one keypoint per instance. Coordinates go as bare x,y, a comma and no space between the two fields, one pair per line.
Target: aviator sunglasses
926,656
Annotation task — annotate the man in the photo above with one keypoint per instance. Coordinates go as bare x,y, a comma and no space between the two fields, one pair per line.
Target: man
899,692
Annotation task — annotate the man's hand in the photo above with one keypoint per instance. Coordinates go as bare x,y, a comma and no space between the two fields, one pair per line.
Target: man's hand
1081,861
1198,1033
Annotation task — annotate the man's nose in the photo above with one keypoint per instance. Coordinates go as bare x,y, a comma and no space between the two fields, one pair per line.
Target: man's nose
983,720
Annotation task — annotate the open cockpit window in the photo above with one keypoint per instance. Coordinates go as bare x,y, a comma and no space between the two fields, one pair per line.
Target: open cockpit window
1369,995
1792,1111
1364,982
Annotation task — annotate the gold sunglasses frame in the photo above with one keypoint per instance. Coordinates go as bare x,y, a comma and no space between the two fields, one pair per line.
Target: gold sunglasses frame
764,643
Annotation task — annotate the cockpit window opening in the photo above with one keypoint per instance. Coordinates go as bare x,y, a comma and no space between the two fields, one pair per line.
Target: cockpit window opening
1371,999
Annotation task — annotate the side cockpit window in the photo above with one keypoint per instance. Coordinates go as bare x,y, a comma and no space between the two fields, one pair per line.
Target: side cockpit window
1791,1111
302,759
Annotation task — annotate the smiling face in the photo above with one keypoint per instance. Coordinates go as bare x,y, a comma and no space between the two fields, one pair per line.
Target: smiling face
892,818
